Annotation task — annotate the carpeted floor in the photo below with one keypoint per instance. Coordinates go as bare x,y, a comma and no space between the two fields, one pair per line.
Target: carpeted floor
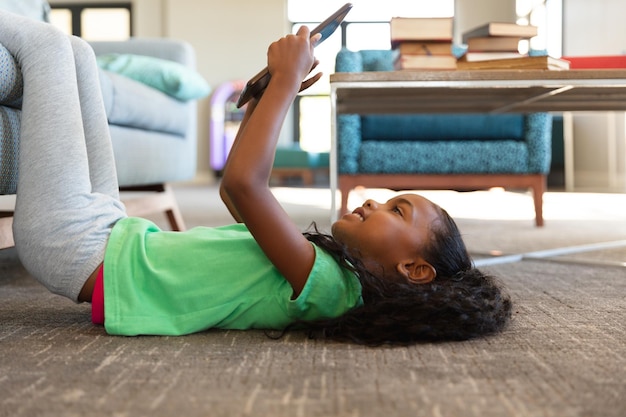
564,353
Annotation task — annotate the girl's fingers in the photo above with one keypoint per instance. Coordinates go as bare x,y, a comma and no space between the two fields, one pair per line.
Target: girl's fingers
315,64
309,82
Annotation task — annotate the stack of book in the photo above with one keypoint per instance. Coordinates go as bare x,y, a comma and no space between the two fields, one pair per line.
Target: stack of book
496,40
495,45
422,43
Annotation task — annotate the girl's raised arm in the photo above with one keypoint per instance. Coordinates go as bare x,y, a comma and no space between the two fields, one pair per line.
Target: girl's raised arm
245,184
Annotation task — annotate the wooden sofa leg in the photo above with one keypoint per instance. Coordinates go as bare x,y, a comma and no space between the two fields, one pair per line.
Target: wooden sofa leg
539,189
160,198
175,217
6,231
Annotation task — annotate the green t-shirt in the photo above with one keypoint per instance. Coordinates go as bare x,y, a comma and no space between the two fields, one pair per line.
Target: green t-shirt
174,283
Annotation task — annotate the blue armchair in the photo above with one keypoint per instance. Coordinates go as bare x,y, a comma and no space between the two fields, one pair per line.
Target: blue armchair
451,151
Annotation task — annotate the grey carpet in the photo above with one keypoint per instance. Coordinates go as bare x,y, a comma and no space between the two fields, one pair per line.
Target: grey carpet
562,355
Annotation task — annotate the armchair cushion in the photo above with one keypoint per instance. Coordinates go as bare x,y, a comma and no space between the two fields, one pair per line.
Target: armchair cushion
171,78
428,127
447,157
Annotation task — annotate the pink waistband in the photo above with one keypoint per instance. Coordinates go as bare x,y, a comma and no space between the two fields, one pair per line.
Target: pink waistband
97,299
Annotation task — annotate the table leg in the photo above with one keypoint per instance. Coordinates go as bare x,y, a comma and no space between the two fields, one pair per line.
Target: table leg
333,155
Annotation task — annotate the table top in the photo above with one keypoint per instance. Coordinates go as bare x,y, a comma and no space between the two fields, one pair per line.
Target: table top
483,91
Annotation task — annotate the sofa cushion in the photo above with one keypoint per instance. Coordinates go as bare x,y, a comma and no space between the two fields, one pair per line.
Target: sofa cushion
171,78
127,102
132,104
10,80
9,130
427,127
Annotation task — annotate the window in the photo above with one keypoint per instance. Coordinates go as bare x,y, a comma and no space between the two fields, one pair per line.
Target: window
365,27
94,21
547,16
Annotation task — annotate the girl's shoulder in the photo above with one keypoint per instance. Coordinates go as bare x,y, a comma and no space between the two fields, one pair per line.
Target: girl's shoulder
330,291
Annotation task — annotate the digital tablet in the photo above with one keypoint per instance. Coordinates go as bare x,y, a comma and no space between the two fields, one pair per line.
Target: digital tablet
259,82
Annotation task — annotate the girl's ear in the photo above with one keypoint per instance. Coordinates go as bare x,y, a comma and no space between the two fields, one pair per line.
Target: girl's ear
417,271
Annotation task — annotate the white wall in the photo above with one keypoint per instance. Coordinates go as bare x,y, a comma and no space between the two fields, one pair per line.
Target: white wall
469,14
594,27
230,39
599,140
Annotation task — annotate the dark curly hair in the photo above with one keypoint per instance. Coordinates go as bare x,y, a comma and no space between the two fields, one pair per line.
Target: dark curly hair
459,304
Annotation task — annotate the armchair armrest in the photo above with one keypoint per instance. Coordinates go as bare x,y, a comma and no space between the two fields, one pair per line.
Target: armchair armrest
348,143
538,134
348,61
348,126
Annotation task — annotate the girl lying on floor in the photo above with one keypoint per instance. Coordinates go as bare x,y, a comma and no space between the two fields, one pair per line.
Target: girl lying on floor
392,272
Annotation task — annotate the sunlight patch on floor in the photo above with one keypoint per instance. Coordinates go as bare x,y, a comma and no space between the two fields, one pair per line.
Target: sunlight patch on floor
494,204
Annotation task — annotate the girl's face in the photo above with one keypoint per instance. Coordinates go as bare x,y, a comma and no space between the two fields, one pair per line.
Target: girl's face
388,237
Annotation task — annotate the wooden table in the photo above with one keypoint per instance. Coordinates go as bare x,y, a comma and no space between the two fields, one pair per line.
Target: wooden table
503,91
477,91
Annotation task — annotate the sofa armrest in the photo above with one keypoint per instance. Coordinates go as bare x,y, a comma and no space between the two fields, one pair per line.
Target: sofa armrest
538,136
34,9
170,49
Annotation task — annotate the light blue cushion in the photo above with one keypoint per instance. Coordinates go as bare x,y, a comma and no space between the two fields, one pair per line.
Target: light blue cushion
172,78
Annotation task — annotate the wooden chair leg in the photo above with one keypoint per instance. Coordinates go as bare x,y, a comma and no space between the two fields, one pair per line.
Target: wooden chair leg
161,198
345,192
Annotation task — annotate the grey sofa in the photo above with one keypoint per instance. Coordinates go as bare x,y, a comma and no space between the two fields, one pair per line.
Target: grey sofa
153,134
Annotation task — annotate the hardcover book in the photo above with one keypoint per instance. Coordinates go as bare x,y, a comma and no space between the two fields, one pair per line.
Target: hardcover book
486,56
424,48
500,29
425,62
421,29
493,44
530,62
